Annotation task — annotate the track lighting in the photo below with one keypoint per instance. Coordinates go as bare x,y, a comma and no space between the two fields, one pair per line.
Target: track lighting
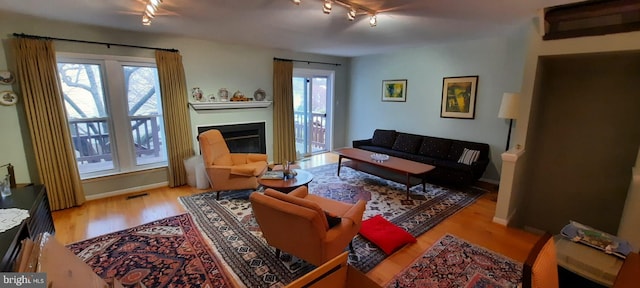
373,21
150,11
351,15
353,9
326,7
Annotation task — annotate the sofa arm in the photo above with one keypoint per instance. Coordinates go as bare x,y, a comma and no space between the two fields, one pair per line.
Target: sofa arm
364,142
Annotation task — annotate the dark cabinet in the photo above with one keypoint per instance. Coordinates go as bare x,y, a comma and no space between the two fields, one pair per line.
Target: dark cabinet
33,198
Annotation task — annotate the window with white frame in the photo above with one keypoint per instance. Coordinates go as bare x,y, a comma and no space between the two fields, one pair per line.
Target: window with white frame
114,112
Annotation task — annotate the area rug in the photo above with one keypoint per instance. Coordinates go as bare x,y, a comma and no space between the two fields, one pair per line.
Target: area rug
169,252
235,233
453,262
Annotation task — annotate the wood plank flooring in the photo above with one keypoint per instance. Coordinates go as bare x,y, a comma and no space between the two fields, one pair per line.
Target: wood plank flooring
472,224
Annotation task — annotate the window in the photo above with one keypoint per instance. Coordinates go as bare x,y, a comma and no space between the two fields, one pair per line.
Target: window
114,112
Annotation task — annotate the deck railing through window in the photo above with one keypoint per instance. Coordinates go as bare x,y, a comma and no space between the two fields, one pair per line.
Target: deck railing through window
92,142
318,129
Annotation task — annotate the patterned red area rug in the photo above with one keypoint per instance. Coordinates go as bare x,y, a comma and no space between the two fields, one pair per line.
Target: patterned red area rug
169,252
230,224
453,262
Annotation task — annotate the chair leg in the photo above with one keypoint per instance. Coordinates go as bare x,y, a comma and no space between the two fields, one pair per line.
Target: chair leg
351,247
218,195
277,253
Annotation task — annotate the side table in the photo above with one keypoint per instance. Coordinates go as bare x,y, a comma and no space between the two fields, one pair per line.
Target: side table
587,262
286,186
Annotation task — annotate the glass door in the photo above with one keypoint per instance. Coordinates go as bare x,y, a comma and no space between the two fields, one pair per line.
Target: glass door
312,94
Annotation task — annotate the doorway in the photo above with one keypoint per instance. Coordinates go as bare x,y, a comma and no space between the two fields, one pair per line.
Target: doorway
312,98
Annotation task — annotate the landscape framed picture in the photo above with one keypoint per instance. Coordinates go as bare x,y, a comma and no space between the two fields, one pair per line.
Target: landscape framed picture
459,97
394,90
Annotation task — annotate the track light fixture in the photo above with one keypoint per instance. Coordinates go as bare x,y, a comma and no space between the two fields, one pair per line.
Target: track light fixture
353,9
351,15
326,7
150,11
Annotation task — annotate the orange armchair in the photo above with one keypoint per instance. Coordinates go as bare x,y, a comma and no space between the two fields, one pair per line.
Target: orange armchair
540,270
296,223
226,170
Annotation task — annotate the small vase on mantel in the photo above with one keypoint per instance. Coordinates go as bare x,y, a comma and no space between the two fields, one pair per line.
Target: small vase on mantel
223,94
197,94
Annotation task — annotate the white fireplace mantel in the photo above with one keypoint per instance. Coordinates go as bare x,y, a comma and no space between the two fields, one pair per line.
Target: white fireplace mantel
229,105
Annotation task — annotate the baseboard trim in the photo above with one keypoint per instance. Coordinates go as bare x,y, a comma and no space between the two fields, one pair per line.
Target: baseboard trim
126,191
490,181
500,221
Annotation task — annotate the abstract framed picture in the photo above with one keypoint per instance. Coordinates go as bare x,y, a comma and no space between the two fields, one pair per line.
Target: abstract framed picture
394,90
459,97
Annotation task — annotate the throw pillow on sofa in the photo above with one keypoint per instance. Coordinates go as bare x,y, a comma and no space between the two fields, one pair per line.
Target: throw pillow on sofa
384,138
469,156
407,143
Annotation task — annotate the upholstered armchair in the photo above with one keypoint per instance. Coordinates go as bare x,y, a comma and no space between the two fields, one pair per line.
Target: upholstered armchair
297,223
540,270
226,170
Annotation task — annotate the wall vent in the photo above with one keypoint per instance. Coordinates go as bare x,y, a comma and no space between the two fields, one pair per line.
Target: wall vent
591,18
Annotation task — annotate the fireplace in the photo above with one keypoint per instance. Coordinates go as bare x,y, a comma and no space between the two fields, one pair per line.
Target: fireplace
242,138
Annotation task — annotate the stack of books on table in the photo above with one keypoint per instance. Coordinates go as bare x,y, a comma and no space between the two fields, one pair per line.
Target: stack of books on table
273,175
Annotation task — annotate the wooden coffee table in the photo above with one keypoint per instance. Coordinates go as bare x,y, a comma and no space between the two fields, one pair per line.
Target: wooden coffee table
302,179
395,164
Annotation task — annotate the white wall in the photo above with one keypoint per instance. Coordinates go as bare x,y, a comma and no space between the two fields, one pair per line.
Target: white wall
498,62
208,65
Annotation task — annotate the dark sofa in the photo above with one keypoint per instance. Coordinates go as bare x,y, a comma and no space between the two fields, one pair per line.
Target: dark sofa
444,154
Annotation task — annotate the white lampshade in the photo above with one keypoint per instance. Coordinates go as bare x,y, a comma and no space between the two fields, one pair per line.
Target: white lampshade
509,106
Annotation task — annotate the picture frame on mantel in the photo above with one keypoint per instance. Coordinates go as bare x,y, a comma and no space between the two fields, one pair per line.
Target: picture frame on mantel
394,90
459,97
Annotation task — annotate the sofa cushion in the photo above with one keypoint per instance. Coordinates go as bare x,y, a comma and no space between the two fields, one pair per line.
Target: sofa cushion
407,143
435,147
469,156
384,138
457,147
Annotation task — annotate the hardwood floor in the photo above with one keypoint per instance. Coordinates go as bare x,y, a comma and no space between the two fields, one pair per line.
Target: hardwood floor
472,224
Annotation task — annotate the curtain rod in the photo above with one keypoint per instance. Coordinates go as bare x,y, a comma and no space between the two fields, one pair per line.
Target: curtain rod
22,35
305,61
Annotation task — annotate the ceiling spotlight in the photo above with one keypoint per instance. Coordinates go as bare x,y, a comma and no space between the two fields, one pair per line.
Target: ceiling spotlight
297,2
151,9
326,7
373,21
351,15
146,20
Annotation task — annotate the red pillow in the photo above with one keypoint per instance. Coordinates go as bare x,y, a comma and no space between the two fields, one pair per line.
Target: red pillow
385,234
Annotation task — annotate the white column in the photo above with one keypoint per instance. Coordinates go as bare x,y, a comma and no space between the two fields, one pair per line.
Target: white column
508,195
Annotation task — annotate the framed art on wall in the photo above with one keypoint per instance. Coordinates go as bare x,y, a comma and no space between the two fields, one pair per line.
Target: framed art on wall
459,97
394,90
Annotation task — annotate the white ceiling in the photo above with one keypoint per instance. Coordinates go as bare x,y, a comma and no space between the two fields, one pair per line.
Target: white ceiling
303,28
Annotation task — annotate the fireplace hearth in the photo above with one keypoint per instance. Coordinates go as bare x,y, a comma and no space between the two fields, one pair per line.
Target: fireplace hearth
242,138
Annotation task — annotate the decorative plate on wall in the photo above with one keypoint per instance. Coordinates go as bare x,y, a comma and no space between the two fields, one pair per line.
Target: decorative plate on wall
8,98
6,77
